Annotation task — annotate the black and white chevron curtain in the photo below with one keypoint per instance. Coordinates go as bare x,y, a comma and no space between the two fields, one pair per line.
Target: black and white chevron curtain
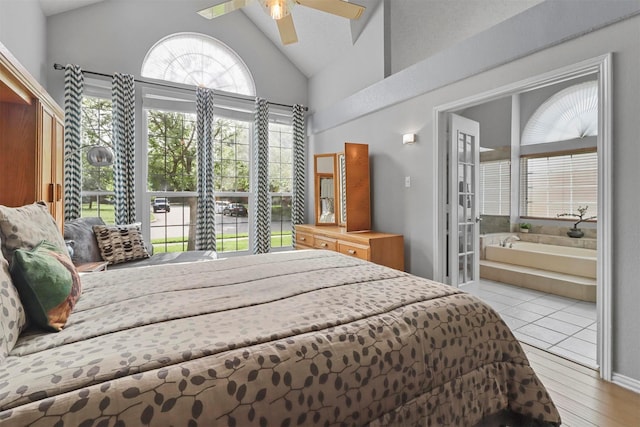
73,88
262,217
123,101
206,215
299,170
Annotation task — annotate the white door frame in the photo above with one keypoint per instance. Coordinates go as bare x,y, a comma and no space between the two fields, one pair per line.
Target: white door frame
602,66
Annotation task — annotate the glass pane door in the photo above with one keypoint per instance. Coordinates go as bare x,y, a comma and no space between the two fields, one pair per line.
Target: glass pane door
464,215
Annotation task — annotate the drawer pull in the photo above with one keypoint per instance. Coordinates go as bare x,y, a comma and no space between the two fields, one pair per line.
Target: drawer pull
303,238
351,252
324,245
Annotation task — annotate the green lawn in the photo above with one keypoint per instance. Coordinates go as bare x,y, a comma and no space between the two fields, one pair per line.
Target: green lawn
226,243
106,212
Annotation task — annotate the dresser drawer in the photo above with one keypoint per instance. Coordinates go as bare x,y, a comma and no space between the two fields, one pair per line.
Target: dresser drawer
322,242
304,239
351,249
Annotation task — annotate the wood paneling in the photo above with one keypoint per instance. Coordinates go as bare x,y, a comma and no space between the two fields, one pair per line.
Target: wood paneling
358,189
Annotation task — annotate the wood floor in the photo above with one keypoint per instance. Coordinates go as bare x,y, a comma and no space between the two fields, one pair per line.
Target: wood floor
583,399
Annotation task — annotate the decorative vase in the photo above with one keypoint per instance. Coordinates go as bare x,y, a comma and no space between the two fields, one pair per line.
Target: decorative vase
575,232
524,230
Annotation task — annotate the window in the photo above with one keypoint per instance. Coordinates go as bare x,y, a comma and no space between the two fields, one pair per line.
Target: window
569,114
555,184
171,151
232,152
495,187
198,60
97,181
280,182
172,174
171,178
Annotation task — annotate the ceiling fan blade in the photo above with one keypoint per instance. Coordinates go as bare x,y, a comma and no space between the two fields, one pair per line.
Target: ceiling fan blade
287,30
335,7
223,8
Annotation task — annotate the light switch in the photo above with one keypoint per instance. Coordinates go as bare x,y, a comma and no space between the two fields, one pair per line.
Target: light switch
407,181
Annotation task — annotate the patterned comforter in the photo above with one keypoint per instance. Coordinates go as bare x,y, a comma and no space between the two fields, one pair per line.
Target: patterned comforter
296,338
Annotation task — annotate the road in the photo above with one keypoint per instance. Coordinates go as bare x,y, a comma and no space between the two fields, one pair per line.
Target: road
175,223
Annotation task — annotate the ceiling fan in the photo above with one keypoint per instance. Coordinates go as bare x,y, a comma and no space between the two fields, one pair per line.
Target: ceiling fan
280,11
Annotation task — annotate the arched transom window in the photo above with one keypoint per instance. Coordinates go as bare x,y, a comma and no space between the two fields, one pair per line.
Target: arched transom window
569,114
198,60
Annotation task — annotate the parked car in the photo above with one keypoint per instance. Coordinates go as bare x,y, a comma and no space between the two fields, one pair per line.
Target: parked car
220,205
235,209
161,204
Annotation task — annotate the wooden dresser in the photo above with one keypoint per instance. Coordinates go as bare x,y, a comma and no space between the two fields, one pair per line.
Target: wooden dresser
380,248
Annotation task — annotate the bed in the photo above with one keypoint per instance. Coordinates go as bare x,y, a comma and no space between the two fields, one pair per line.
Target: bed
293,338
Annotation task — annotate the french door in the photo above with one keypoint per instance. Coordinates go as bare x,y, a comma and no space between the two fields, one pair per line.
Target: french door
463,218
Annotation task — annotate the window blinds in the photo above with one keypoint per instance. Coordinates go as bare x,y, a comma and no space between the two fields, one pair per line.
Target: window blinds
495,187
558,184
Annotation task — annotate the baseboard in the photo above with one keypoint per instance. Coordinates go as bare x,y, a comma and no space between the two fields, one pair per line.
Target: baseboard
626,382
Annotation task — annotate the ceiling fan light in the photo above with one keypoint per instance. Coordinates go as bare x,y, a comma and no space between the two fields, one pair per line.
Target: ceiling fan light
278,9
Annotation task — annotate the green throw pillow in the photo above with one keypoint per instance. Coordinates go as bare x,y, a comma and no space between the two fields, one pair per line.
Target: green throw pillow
48,284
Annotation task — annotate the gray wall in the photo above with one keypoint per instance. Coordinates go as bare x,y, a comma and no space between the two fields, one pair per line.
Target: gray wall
22,31
418,31
410,211
115,35
359,66
495,122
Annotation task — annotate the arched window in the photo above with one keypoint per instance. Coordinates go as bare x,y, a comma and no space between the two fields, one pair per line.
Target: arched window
569,114
198,60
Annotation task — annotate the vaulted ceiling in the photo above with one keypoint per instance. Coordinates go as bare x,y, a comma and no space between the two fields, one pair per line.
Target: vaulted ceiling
322,38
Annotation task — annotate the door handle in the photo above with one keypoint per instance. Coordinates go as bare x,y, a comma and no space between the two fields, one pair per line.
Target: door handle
58,192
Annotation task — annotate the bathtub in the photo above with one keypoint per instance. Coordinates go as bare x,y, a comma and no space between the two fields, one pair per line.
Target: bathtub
561,259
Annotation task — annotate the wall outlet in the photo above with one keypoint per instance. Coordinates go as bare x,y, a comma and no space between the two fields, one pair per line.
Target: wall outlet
407,181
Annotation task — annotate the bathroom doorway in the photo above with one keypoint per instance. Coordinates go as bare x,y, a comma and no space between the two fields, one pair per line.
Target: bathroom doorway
568,321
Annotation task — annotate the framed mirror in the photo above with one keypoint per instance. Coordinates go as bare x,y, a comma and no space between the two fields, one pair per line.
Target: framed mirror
342,188
326,189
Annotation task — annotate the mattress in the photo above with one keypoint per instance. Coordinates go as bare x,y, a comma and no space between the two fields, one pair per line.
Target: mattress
291,338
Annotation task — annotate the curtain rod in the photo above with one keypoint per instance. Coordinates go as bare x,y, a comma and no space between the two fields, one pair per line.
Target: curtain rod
57,66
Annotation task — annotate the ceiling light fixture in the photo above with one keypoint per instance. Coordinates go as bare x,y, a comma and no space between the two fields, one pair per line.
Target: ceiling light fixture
278,9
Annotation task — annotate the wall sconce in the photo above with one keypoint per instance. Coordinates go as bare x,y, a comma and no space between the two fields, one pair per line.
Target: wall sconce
409,138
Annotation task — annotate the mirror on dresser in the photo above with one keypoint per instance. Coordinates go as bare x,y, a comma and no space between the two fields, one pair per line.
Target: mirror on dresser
325,189
342,190
343,211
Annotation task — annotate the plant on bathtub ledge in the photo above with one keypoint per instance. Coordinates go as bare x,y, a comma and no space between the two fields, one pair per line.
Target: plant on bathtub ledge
525,227
575,231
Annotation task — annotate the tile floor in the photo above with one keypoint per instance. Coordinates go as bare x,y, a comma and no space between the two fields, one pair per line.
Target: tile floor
563,326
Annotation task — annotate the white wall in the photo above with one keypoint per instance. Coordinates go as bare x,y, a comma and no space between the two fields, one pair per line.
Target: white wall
115,35
22,31
411,211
